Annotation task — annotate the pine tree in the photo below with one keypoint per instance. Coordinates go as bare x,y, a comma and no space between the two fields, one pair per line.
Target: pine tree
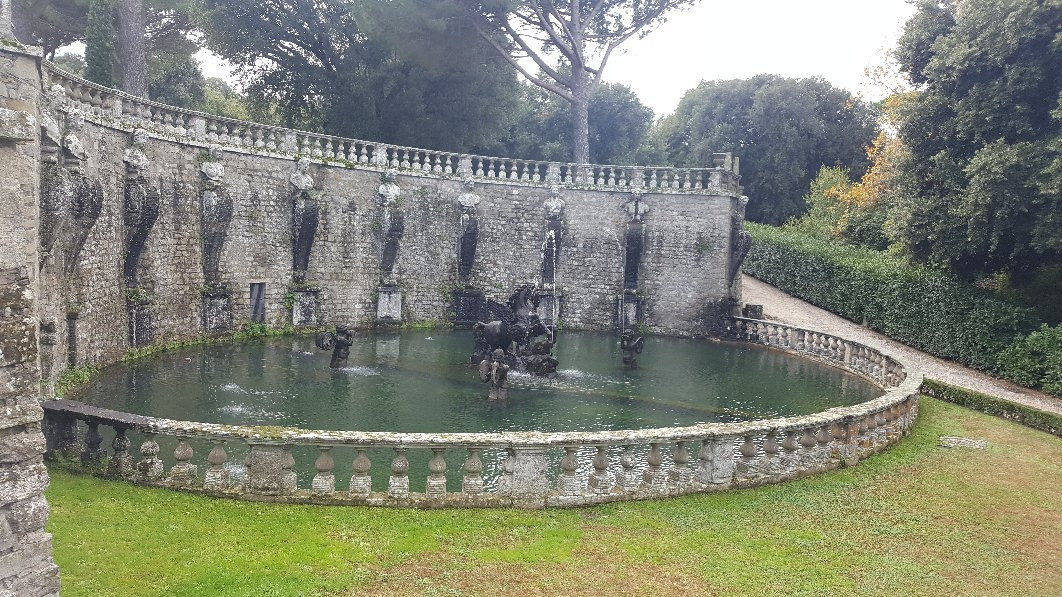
99,43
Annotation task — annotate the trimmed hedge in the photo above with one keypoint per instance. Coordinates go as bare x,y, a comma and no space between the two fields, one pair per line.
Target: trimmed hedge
915,305
1028,416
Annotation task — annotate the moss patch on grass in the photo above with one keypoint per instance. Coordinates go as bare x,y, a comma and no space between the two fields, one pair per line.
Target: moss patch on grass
915,519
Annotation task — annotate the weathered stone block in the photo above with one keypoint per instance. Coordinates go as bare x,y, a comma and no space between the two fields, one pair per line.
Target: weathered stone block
17,126
21,443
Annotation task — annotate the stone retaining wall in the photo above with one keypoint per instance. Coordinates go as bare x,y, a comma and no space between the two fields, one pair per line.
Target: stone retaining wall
161,234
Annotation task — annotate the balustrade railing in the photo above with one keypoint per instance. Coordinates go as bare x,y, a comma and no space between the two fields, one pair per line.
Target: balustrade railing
520,468
116,108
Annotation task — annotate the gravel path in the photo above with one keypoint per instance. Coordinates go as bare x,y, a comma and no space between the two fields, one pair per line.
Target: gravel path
779,306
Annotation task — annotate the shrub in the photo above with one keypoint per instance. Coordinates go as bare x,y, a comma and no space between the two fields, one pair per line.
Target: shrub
1035,360
915,305
1028,416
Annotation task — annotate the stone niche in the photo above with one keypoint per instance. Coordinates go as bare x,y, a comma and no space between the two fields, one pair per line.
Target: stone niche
389,305
469,305
549,303
305,309
217,311
629,310
141,322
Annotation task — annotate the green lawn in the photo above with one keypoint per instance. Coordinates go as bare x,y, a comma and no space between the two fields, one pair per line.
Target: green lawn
917,519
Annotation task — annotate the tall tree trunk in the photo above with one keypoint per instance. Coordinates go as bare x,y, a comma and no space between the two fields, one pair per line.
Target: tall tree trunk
132,55
580,117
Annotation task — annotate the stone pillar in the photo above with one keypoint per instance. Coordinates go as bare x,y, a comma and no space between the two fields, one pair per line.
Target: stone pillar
266,470
529,482
26,566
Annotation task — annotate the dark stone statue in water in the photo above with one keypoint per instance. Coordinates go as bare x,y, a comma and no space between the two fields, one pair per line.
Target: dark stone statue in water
338,342
525,343
494,371
631,348
490,336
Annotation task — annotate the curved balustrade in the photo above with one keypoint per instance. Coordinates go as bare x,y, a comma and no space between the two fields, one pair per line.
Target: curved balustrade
121,110
527,469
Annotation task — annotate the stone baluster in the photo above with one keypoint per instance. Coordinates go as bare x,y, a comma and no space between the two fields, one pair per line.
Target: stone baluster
121,463
472,482
149,467
864,432
790,459
436,483
823,437
216,477
681,474
67,441
93,456
871,431
807,441
704,462
625,477
361,156
568,483
506,482
289,479
653,477
770,452
324,482
183,472
600,481
746,464
398,484
361,481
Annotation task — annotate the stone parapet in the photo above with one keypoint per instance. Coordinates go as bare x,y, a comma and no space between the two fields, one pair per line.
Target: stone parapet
126,112
541,469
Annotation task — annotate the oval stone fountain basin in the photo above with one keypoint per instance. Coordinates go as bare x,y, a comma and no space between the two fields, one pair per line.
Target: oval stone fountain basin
421,381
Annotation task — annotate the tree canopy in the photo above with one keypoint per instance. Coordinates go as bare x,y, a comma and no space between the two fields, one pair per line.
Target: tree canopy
784,131
570,42
618,123
405,72
983,175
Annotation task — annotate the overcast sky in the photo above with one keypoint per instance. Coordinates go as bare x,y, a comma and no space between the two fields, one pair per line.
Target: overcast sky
734,39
